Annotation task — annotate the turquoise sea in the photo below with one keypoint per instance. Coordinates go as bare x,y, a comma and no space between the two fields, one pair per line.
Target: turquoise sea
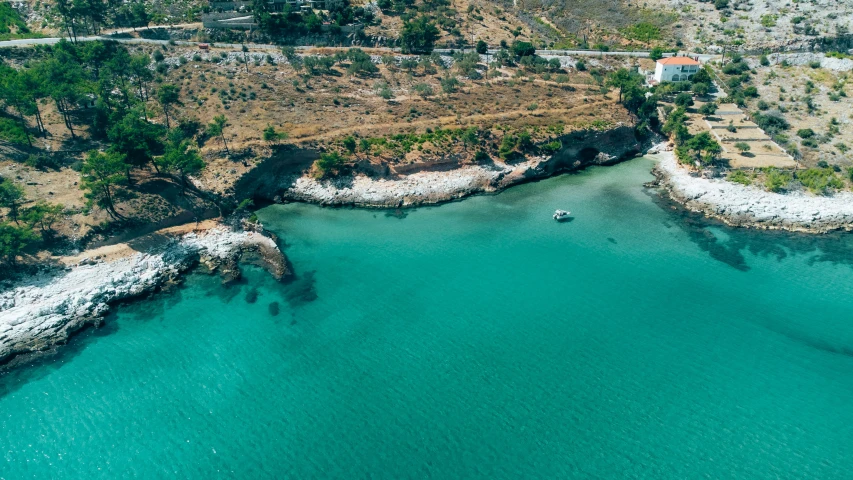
478,339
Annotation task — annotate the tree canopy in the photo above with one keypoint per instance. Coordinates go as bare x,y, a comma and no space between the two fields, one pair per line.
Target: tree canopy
11,197
216,128
13,241
623,80
102,175
418,36
168,95
182,157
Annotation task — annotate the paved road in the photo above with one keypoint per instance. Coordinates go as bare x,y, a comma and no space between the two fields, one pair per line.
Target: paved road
260,46
27,42
50,41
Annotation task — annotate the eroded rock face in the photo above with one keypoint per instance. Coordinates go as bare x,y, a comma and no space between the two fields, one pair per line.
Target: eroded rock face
40,312
436,182
744,206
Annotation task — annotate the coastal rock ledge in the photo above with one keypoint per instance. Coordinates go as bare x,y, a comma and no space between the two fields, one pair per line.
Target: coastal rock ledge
439,180
744,206
42,311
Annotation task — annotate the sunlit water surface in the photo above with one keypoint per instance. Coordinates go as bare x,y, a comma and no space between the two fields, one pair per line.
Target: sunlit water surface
478,339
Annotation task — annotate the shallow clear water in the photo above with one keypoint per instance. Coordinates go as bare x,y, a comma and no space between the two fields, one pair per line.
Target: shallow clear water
478,339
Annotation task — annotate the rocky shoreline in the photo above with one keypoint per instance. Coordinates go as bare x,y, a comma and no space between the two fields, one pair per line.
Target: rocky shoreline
431,186
42,311
749,207
419,188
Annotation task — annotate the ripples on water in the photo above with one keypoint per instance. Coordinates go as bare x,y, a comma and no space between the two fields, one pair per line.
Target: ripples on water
476,339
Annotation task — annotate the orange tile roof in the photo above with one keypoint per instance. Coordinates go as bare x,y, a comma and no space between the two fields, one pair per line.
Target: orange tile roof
678,61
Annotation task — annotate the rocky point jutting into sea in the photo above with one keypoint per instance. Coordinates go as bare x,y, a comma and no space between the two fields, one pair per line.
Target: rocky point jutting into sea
42,311
745,206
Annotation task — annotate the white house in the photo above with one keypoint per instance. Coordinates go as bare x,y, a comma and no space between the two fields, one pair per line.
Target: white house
675,69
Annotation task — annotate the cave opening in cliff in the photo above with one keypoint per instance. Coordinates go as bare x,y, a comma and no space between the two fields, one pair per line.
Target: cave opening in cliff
587,154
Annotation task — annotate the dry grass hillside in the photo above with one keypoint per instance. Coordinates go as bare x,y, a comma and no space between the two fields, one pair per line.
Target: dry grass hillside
412,116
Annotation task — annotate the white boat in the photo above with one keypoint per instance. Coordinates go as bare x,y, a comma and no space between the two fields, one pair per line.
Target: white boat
561,215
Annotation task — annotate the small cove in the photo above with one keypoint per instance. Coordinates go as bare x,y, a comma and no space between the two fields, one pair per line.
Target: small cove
477,339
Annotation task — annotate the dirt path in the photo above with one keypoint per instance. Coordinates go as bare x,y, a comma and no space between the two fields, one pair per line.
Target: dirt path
109,253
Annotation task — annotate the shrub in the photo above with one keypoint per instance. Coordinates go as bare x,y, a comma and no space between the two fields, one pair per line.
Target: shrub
819,180
449,84
772,122
708,109
389,60
383,90
41,162
362,67
13,241
810,142
481,157
580,66
12,131
776,180
554,64
738,176
523,49
329,163
735,68
805,133
684,99
701,89
742,146
525,141
507,148
733,82
423,89
552,147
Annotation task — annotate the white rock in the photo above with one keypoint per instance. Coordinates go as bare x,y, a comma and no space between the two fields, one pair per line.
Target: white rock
42,310
794,211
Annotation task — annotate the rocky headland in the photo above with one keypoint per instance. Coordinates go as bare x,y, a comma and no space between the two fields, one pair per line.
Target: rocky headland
41,311
745,206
